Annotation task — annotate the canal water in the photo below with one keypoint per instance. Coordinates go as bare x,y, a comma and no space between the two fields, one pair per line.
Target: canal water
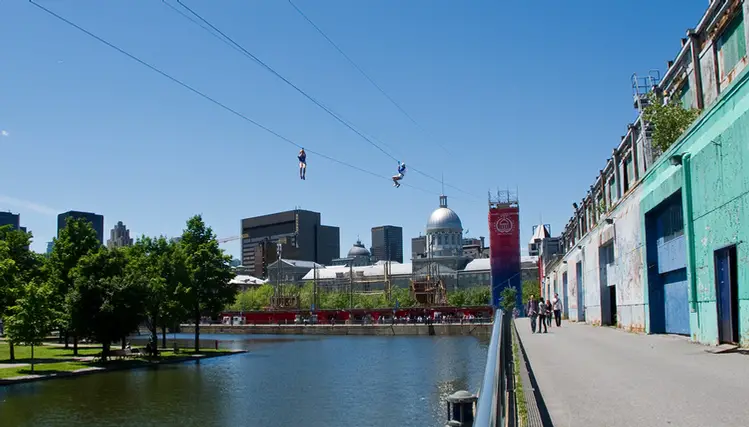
332,381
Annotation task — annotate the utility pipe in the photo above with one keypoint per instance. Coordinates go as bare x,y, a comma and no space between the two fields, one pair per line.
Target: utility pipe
686,198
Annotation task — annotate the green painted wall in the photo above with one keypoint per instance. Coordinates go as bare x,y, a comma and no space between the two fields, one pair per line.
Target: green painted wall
719,147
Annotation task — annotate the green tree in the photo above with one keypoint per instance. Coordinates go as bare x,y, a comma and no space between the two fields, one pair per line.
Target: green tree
403,297
306,296
669,120
457,298
478,295
261,296
76,240
176,309
334,300
530,287
159,265
369,301
106,303
508,299
208,273
21,267
33,316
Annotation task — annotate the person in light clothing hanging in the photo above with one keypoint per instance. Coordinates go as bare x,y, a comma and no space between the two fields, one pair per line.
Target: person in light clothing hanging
399,176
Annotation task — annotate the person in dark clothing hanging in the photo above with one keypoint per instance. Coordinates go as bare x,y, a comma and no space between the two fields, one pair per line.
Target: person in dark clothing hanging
542,314
302,156
532,311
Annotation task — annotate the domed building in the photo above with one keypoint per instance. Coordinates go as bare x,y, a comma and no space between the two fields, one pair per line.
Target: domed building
358,250
444,246
444,232
357,256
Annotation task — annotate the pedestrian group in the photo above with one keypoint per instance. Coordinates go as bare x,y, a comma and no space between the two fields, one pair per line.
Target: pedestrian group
542,312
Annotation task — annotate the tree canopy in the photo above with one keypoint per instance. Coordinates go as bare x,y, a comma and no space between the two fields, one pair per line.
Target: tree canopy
106,294
669,120
32,316
259,298
208,271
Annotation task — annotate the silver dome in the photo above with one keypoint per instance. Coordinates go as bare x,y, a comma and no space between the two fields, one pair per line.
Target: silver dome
358,250
444,218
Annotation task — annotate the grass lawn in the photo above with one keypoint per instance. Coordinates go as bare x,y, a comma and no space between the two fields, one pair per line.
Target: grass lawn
50,360
42,353
43,369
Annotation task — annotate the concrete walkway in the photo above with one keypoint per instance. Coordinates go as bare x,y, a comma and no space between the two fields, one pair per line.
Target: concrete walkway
603,377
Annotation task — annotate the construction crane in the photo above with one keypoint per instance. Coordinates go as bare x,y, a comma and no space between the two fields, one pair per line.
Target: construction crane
233,238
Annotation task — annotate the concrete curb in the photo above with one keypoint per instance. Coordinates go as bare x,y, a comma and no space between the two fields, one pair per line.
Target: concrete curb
538,415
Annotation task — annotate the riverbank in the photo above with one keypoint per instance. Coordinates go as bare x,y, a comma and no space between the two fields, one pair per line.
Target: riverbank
441,329
53,361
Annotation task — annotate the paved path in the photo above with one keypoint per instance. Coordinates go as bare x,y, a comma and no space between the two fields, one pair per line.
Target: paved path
602,377
12,365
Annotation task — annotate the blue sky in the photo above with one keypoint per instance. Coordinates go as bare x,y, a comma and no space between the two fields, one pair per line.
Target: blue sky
532,95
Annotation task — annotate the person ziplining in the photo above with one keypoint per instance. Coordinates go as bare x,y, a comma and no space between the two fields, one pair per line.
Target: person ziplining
302,164
399,176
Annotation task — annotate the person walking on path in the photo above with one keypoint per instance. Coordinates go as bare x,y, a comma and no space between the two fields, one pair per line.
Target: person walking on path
549,312
532,311
542,315
557,304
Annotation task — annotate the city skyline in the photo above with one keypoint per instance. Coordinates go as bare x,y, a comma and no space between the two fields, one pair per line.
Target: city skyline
41,245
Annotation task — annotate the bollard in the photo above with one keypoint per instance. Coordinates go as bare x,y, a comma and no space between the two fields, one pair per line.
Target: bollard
460,412
216,344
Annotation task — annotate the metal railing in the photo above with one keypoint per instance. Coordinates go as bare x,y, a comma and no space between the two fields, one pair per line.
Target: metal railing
491,406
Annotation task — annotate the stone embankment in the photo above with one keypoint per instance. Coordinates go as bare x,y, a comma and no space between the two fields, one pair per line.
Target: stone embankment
441,329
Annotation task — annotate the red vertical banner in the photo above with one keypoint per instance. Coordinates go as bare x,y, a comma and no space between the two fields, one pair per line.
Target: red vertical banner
504,241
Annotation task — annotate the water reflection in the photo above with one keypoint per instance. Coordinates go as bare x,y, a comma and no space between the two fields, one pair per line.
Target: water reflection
320,381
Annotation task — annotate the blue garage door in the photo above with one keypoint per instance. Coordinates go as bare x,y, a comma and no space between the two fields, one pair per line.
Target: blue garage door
676,302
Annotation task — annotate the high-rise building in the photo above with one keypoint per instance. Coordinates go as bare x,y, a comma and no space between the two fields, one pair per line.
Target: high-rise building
419,247
50,246
96,220
119,236
387,243
301,233
9,218
14,220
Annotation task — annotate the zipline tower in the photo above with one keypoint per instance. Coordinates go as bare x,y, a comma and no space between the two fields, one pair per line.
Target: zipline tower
504,244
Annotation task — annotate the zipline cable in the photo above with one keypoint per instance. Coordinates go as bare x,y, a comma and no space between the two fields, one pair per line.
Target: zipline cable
211,99
287,81
366,76
305,94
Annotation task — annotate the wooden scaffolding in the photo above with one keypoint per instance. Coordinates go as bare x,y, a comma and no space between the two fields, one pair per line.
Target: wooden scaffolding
429,292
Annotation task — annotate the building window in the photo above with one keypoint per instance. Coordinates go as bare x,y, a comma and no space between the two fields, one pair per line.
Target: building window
686,96
439,239
731,45
672,222
612,190
628,172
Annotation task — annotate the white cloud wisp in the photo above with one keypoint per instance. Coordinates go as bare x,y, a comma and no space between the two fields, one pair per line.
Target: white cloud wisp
25,204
